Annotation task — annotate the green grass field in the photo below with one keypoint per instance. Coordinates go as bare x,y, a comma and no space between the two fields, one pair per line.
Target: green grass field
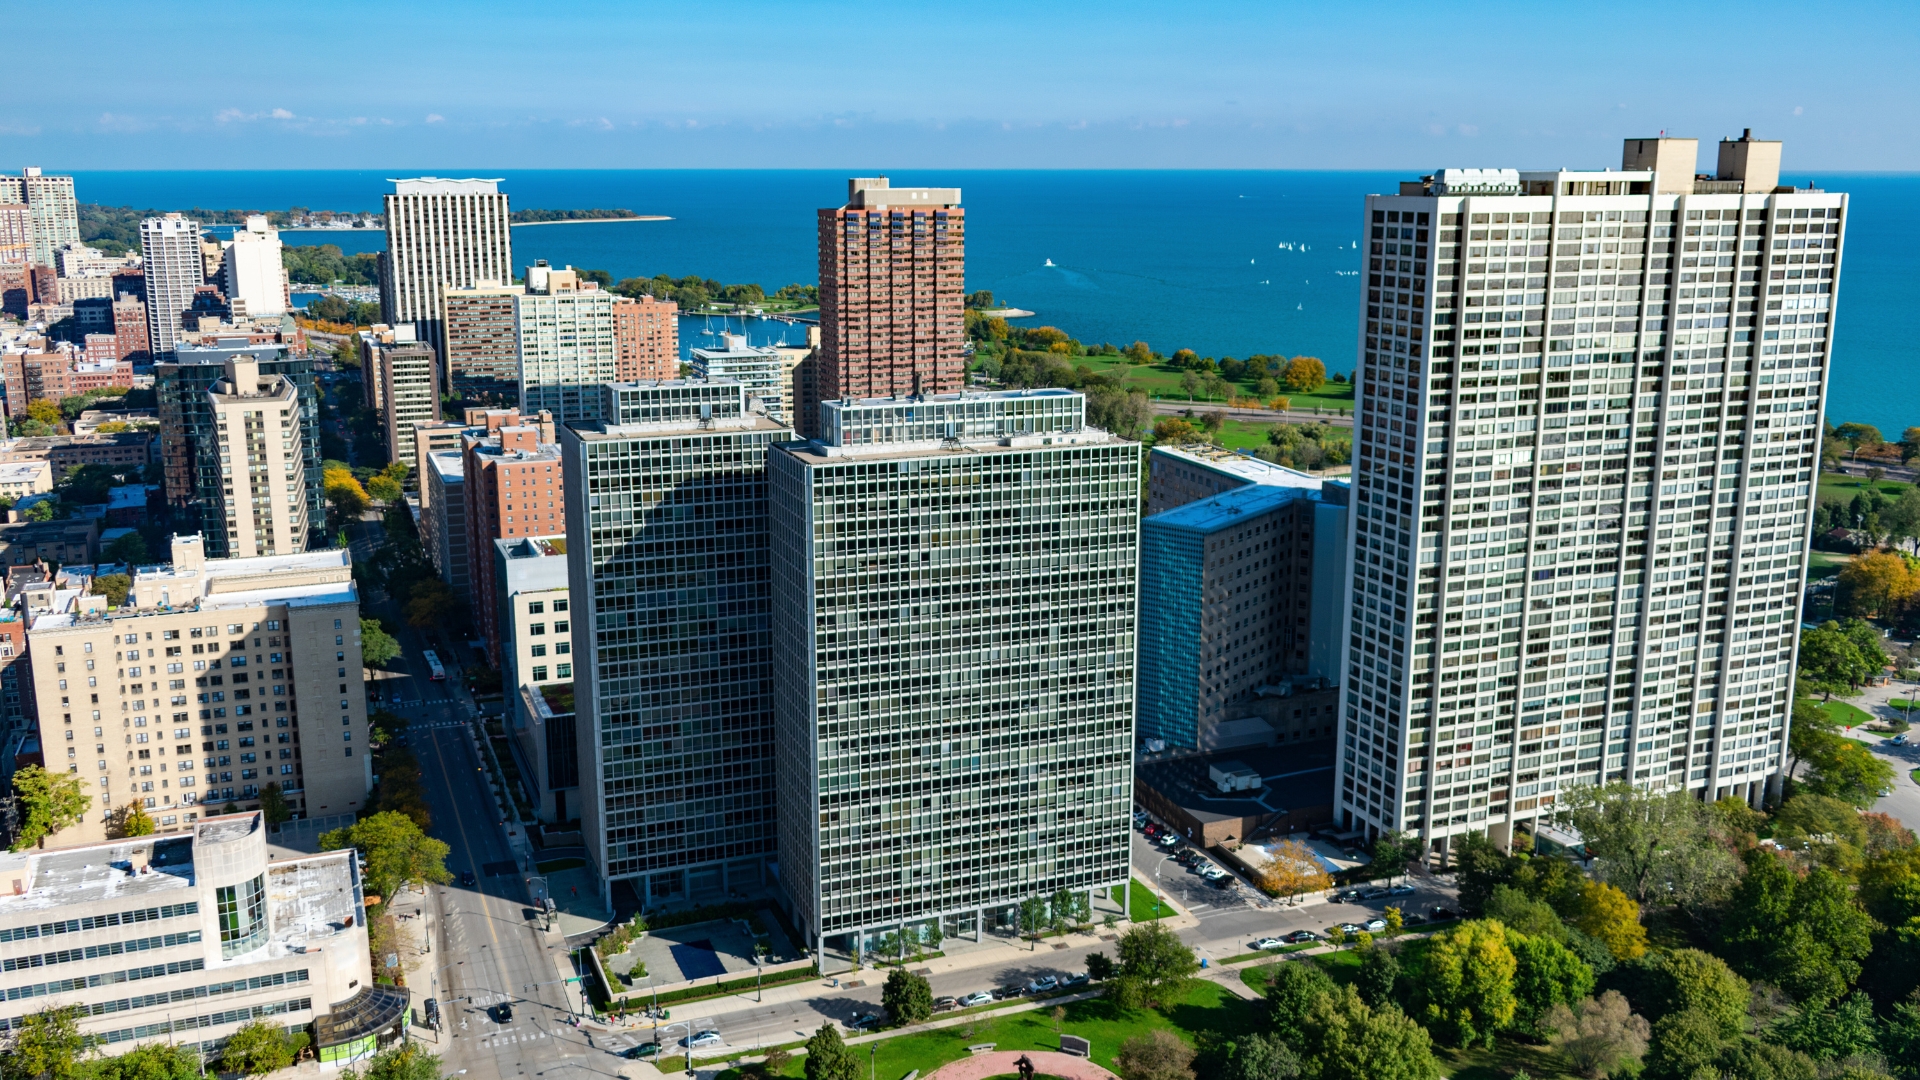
1825,564
1845,714
1842,488
1205,1006
1163,382
1143,903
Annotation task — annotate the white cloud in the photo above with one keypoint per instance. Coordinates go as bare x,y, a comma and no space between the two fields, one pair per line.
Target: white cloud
281,114
436,118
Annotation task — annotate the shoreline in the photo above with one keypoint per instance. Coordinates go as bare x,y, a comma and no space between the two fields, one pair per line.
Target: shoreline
592,220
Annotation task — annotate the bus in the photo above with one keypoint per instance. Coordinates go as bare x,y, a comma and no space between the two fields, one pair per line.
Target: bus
434,670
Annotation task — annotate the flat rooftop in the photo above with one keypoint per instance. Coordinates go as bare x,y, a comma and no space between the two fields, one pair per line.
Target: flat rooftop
1294,776
1253,470
1230,507
600,430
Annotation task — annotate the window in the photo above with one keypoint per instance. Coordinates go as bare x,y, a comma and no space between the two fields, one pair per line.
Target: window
535,607
565,671
539,650
540,674
559,605
243,916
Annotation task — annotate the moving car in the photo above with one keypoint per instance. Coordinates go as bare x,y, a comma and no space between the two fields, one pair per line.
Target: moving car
981,998
703,1039
644,1050
945,1004
501,1013
467,878
1043,984
1269,943
1301,936
863,1021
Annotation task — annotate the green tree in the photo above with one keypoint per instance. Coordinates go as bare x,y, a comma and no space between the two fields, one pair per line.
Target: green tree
1829,662
1806,935
432,603
397,853
828,1057
1468,982
1379,970
1598,1037
130,549
1842,768
1100,967
1524,914
1825,830
1033,917
133,820
1261,1057
114,587
1393,851
1155,965
1824,1030
1684,1046
1156,1055
49,802
410,1061
1343,1038
376,645
1653,845
907,997
1292,991
273,804
46,1045
258,1048
1546,974
149,1061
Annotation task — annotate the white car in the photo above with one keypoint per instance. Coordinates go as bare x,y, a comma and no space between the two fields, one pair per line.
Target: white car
1168,840
982,998
1212,872
705,1039
1269,943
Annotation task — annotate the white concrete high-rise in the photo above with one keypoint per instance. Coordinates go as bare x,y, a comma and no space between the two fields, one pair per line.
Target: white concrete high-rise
258,428
53,213
568,350
170,248
254,274
441,234
1589,408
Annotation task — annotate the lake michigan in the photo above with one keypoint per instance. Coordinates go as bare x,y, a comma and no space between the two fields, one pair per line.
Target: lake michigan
1225,263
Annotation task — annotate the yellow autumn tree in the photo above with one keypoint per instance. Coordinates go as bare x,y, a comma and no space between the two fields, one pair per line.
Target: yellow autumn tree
1606,914
1291,870
1877,583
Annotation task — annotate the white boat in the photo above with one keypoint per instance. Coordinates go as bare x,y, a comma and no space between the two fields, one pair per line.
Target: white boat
1049,262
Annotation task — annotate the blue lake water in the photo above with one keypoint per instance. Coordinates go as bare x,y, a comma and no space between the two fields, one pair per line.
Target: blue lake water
1227,263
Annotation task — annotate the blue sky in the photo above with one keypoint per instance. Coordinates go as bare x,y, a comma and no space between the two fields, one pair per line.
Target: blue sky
1064,84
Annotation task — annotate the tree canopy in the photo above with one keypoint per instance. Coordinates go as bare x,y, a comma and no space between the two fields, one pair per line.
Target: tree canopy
397,852
49,802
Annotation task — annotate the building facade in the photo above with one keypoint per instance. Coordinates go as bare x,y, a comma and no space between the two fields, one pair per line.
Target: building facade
184,937
53,212
954,606
646,336
409,395
564,330
1588,430
892,292
758,369
483,348
258,431
536,621
670,622
271,649
170,253
200,486
253,273
513,488
441,234
443,520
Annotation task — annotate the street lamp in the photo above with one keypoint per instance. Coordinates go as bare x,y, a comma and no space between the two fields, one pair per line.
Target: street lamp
873,1060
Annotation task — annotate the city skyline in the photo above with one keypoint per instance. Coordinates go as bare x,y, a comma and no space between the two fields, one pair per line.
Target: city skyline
1236,86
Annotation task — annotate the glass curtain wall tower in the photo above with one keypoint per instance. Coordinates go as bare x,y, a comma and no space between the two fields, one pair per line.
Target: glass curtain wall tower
954,614
1589,417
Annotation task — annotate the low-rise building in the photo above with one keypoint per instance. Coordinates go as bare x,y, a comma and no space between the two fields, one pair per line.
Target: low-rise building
530,579
185,936
127,449
761,370
75,540
25,478
268,644
443,520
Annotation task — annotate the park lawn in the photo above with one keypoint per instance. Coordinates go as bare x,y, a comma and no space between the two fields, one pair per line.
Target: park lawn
1825,564
1846,715
1241,435
1142,903
1507,1058
1842,488
1203,1007
1163,381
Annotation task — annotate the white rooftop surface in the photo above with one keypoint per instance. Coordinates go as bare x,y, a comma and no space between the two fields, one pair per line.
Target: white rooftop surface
1251,469
22,472
189,590
449,464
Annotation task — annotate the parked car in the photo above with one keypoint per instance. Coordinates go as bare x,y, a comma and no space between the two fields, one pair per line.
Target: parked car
945,1004
863,1021
704,1039
501,1013
1168,840
1372,892
1043,984
1151,829
971,1000
1350,928
1269,943
1006,992
1079,979
1402,889
1346,896
1300,937
1414,919
1375,926
1224,881
467,878
1441,914
644,1050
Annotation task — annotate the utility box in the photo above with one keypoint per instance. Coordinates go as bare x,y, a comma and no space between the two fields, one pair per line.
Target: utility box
1233,776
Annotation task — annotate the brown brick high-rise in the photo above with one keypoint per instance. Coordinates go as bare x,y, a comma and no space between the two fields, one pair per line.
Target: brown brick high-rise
892,292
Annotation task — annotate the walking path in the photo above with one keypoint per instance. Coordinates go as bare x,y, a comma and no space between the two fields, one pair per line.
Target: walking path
1001,1062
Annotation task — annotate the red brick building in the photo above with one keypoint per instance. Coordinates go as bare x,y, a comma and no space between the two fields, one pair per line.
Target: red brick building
892,292
513,489
646,332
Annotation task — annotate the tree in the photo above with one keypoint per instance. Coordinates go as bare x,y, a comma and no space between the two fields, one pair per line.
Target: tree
49,802
1546,974
258,1048
384,489
1120,411
46,1045
432,603
1190,382
1843,769
1393,851
1598,1038
1379,970
150,1061
1033,917
1154,966
1469,982
1650,844
1829,662
1139,353
1606,914
1303,374
1157,1055
1824,830
1292,991
409,1061
1684,1045
1343,1038
273,804
1825,1030
130,549
1293,869
44,411
1688,980
828,1057
133,820
1523,914
397,853
907,997
1261,1057
114,587
1100,967
376,645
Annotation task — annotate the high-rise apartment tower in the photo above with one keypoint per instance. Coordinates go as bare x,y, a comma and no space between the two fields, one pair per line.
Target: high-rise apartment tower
441,234
483,348
253,272
954,603
1589,422
54,215
892,300
667,518
564,330
170,250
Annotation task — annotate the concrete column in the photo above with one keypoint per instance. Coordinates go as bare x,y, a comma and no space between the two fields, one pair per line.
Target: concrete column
979,924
